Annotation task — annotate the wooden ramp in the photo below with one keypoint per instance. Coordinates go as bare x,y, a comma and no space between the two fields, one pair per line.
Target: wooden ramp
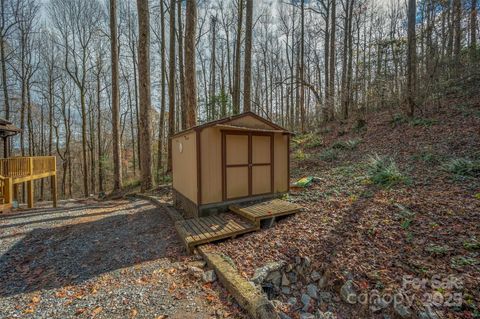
203,230
266,210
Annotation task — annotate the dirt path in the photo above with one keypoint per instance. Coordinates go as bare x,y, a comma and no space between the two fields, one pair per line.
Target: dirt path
115,259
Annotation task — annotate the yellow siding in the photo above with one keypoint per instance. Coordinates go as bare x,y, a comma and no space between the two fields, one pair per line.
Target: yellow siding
184,165
211,164
281,163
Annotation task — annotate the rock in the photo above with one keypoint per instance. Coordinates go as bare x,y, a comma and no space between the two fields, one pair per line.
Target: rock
306,315
325,315
315,275
195,271
306,262
379,304
292,277
427,314
277,303
285,281
402,310
197,264
322,282
298,260
325,296
275,278
283,315
292,301
347,292
307,302
286,290
312,291
262,273
289,268
209,276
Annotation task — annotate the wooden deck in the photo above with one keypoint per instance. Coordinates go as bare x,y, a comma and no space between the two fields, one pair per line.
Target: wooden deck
18,170
265,210
203,230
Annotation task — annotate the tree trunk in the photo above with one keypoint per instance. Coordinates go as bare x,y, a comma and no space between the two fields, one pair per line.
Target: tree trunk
331,84
161,127
171,85
247,82
190,74
144,93
473,29
411,58
117,157
237,68
181,77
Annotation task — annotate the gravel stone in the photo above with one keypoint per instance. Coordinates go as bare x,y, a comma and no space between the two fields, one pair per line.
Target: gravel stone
107,259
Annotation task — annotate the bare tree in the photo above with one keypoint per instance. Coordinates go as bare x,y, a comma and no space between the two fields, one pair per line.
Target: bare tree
171,84
144,94
247,82
190,74
411,58
117,157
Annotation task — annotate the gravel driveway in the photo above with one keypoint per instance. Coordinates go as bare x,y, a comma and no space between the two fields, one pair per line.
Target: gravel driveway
112,259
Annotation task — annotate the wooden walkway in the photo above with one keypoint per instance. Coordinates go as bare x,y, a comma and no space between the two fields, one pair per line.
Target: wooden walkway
266,210
203,230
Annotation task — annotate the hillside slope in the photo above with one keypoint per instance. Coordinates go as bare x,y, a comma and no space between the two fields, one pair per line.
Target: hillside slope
394,198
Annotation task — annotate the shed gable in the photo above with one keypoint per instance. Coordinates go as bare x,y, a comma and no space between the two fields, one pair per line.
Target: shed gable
251,122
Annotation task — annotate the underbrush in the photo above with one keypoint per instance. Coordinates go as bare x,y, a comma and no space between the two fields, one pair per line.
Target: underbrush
383,171
463,167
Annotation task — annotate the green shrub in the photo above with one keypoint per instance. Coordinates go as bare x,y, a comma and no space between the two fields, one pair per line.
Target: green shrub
422,122
427,157
383,171
300,155
346,145
463,167
471,244
309,140
398,119
329,155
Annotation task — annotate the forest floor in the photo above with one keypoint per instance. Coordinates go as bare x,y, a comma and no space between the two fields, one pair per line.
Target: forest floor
393,201
109,259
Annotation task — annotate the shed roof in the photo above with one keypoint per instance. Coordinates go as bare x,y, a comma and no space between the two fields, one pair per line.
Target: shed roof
275,127
7,128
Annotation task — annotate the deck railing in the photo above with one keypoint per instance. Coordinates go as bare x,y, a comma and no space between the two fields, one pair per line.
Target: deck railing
18,170
17,167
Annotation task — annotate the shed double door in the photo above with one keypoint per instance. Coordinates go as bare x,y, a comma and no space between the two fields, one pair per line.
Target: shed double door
247,164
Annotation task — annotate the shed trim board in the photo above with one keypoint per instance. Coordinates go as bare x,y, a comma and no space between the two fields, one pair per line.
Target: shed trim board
232,118
263,128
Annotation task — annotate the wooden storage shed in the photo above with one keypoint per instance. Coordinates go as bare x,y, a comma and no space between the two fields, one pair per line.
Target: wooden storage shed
241,158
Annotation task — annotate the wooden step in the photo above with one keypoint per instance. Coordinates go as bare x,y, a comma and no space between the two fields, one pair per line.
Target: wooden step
204,230
265,210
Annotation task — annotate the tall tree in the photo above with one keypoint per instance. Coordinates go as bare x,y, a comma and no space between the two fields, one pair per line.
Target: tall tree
247,82
237,68
182,104
190,74
171,84
331,80
117,169
411,58
473,28
161,128
144,93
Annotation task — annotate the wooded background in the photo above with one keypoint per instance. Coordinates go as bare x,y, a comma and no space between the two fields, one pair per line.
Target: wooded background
103,84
